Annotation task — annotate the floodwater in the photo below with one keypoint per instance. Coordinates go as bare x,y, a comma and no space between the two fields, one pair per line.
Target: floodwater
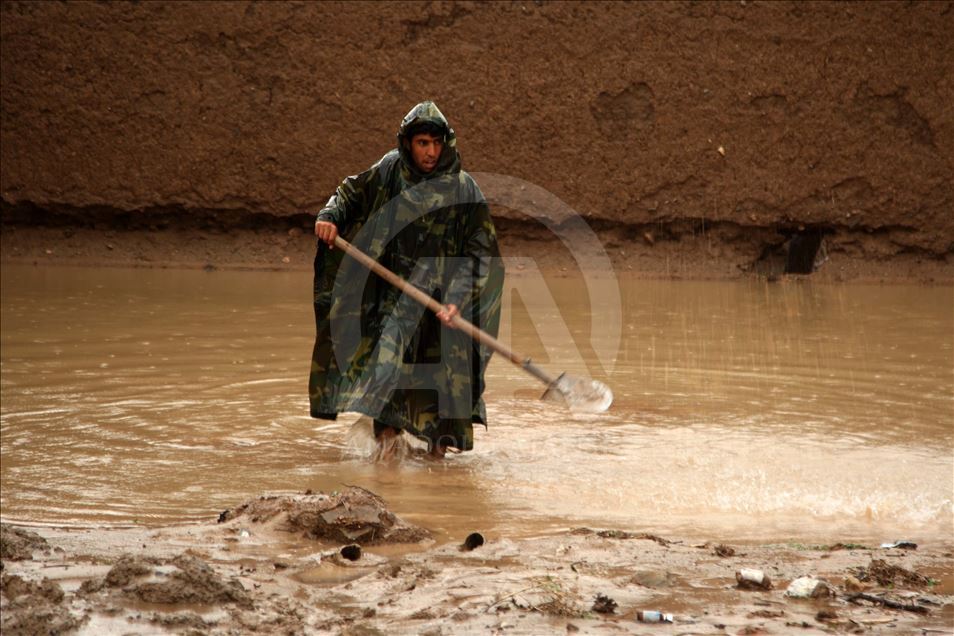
787,411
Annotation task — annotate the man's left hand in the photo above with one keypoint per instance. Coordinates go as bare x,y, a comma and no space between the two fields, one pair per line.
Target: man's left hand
448,314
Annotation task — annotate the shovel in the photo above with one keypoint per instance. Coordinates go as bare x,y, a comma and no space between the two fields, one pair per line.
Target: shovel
579,394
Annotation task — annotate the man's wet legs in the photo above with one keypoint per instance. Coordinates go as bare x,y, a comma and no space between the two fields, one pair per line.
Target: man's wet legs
444,444
387,438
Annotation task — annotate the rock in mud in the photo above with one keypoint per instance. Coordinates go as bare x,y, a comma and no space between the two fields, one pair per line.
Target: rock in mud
354,515
808,587
749,579
18,544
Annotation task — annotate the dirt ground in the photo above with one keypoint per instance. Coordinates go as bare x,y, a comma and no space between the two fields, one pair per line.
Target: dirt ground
262,569
290,246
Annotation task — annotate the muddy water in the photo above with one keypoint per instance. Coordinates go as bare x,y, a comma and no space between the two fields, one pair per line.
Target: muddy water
786,411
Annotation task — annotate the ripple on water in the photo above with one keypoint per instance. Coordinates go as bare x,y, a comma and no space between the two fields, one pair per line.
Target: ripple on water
761,412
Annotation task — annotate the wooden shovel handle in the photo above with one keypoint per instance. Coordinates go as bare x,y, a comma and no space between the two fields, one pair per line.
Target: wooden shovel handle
457,322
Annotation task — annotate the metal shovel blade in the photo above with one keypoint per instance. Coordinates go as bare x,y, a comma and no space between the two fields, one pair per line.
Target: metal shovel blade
583,395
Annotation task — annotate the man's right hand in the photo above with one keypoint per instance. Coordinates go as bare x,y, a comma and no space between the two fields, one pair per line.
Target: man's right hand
327,232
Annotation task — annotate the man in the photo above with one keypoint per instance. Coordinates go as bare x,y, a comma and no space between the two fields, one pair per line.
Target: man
376,351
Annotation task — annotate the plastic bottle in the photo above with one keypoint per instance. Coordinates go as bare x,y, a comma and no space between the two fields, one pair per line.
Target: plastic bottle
653,617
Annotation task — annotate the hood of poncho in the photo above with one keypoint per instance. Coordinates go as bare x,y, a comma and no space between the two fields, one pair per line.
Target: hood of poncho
449,161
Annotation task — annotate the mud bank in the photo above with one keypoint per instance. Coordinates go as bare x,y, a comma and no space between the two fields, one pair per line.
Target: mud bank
261,570
694,138
678,250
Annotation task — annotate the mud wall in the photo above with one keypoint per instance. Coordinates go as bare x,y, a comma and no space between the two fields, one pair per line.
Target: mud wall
747,114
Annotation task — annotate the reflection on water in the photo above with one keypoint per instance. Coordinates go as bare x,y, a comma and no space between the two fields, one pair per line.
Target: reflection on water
764,411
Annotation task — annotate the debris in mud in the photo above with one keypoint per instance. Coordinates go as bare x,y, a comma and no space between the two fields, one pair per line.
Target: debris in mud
885,575
904,545
766,614
653,617
354,515
847,546
182,621
750,579
722,550
546,595
759,630
887,602
603,604
351,552
17,544
826,615
621,534
719,549
530,585
808,587
473,541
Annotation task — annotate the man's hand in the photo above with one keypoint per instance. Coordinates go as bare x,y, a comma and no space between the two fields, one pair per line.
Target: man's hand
327,232
448,314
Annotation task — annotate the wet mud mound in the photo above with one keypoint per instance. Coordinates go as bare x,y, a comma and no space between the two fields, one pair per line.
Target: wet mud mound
184,579
354,515
34,607
18,544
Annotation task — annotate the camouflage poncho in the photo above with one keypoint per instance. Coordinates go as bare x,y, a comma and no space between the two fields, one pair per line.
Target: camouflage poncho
379,352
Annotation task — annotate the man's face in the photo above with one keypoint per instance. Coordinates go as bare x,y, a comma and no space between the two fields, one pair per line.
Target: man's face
425,151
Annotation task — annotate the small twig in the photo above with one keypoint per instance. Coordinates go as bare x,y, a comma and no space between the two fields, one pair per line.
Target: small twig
510,596
871,598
